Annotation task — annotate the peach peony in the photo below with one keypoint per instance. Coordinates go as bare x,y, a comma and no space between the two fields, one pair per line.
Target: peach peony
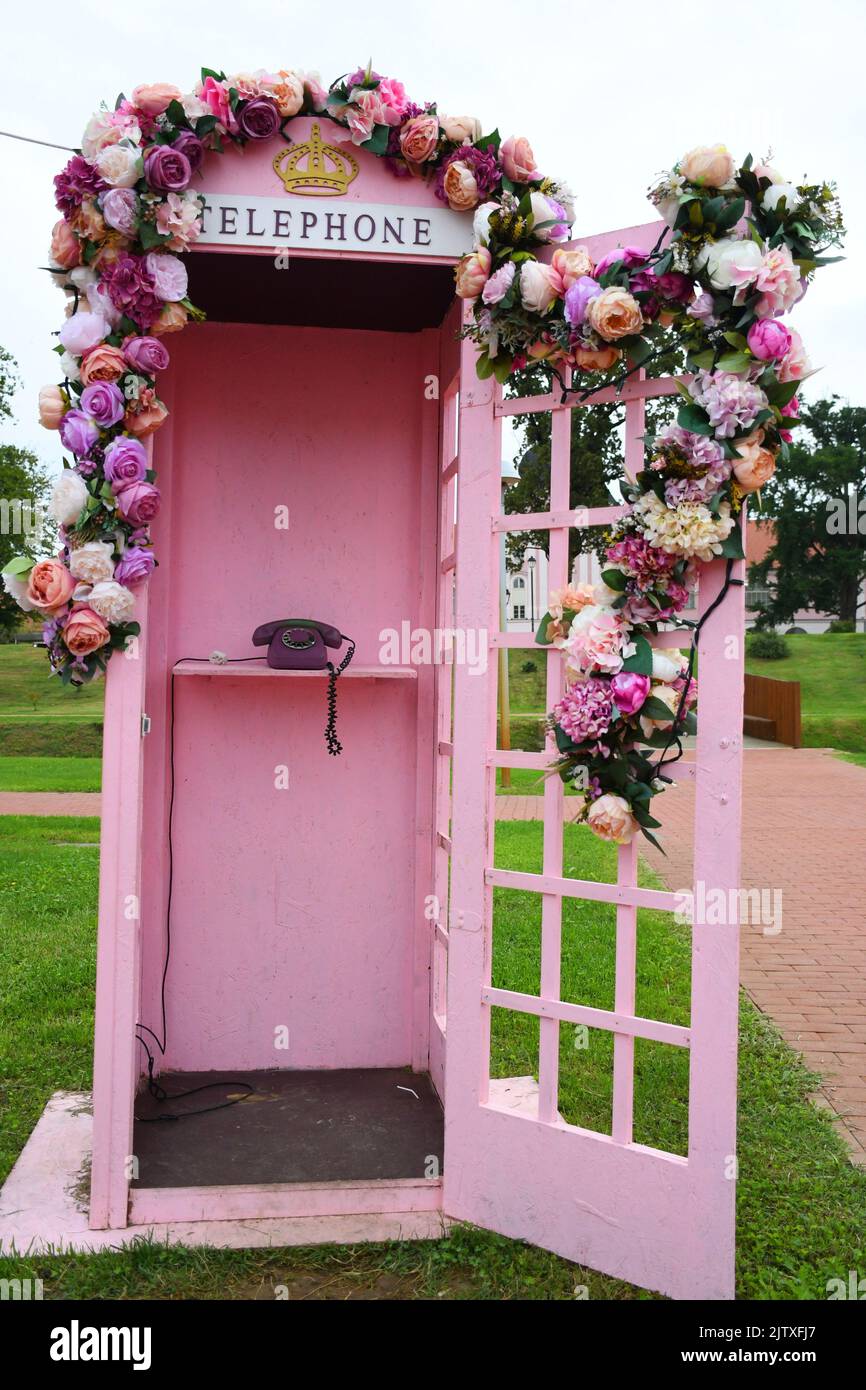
471,273
710,166
596,359
52,407
518,161
102,363
172,319
49,586
154,98
288,92
568,266
460,187
85,632
461,129
65,249
610,818
614,314
757,464
145,415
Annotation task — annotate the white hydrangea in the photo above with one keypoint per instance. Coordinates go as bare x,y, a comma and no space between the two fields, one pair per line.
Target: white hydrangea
112,601
689,530
92,562
68,498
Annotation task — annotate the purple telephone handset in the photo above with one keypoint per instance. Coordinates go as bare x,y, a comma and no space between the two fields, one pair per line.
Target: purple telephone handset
300,644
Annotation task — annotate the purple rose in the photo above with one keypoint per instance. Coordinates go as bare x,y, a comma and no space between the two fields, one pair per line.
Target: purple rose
78,432
138,502
258,119
103,401
120,210
629,690
167,170
578,297
189,144
147,355
125,462
134,565
169,275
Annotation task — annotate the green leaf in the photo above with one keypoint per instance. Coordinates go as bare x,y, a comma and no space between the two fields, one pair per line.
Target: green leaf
502,369
177,115
734,362
694,418
541,632
204,125
736,340
732,548
614,579
654,708
18,565
211,72
641,661
484,367
378,141
494,139
563,742
149,236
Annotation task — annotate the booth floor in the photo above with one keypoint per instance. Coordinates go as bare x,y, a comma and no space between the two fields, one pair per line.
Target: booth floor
296,1126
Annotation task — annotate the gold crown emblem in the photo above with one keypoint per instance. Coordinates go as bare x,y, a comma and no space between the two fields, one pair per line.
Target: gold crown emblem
316,168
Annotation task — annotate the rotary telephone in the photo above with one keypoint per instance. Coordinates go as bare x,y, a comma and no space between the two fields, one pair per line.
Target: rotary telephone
300,644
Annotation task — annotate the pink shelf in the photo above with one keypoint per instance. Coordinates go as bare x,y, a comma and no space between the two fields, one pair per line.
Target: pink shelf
260,667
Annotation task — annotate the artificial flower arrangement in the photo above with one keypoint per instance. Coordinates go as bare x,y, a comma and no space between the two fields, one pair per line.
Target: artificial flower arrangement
129,211
742,248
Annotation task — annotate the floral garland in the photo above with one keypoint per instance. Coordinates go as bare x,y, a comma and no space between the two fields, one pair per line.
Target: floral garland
128,213
743,246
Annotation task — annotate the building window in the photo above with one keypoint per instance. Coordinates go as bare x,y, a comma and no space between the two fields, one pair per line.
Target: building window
519,582
519,610
757,598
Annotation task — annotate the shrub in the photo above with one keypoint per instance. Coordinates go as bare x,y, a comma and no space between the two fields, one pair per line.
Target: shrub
767,646
841,625
528,667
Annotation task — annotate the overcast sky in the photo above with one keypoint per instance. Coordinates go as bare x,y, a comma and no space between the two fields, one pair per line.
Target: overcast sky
609,96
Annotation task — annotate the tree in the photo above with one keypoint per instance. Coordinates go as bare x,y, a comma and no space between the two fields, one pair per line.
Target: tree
23,488
817,503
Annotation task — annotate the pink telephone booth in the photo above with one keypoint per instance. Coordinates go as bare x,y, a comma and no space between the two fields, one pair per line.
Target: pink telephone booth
312,933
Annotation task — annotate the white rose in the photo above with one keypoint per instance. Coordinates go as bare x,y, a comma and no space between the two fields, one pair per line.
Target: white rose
776,192
536,289
17,589
82,277
69,367
92,562
68,498
665,667
481,222
120,165
668,697
112,601
193,107
722,258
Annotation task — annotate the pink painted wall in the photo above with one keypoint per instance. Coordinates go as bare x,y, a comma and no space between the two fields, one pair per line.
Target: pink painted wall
298,907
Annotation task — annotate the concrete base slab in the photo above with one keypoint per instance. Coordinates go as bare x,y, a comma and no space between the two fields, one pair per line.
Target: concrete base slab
44,1203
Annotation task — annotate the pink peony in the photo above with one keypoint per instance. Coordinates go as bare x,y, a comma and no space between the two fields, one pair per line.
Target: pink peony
629,690
768,340
795,364
214,95
499,284
778,279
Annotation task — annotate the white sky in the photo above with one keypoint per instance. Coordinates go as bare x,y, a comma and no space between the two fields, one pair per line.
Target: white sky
608,95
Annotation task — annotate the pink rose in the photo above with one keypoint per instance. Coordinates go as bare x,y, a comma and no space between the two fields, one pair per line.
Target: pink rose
153,99
537,291
499,284
610,818
49,586
768,340
85,632
757,464
569,267
595,641
518,161
419,138
102,363
393,96
169,275
65,248
629,690
471,273
795,364
214,95
138,502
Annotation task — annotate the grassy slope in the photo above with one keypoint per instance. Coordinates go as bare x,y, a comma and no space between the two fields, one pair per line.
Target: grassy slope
801,1203
35,774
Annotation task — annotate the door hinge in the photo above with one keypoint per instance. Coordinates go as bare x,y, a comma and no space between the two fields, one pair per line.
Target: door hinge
145,724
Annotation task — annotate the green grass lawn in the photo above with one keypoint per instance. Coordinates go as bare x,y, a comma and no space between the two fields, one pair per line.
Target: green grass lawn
34,774
831,669
802,1206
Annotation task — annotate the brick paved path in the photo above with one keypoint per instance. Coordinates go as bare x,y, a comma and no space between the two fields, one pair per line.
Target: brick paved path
804,831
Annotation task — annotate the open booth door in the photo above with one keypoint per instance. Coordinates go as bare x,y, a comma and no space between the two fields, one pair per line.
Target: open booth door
512,1163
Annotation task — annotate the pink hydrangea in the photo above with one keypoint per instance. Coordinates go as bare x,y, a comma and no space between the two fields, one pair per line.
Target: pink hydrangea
595,641
585,711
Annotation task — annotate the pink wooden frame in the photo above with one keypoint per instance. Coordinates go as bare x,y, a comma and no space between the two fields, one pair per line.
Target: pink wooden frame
641,1214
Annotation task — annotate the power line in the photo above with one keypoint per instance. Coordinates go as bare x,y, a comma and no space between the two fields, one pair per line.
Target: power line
49,144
